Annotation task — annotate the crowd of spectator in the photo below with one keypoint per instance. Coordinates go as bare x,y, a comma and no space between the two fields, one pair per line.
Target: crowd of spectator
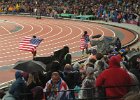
98,76
115,10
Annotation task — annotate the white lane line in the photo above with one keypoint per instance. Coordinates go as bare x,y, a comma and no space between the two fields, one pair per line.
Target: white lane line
27,24
103,34
52,48
44,35
5,40
11,60
74,42
79,42
24,23
27,57
61,30
35,33
6,29
91,34
22,27
48,53
108,29
100,37
1,50
38,31
59,42
17,47
11,38
61,36
5,43
51,40
66,39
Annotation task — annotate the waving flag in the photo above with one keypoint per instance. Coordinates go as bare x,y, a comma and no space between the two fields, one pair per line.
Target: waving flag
82,43
29,44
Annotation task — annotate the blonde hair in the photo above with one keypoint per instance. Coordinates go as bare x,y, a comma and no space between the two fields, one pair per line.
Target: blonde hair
30,79
67,67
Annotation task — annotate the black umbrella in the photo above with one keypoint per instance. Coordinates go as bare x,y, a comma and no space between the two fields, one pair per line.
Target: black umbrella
30,66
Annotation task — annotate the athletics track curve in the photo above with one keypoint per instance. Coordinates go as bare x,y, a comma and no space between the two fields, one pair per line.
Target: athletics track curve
56,34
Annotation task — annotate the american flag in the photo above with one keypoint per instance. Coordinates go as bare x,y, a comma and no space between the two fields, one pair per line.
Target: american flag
83,43
29,44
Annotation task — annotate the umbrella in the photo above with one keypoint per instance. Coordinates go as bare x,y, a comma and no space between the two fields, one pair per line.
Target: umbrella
30,66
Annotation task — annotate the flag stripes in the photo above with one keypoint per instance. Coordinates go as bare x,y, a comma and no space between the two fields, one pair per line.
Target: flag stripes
29,44
83,44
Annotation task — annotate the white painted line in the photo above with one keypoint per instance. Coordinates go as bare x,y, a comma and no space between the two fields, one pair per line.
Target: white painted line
109,30
6,29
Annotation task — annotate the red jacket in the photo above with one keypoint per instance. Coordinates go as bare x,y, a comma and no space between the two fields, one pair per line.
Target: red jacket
114,76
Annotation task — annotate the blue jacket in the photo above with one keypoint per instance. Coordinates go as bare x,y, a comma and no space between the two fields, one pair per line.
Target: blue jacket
18,87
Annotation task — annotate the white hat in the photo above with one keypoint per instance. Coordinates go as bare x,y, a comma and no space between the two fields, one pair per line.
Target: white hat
76,66
89,70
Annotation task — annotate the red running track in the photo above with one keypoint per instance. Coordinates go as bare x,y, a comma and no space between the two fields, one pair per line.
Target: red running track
56,34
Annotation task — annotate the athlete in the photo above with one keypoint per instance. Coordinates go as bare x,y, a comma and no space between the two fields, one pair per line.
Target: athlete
84,42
